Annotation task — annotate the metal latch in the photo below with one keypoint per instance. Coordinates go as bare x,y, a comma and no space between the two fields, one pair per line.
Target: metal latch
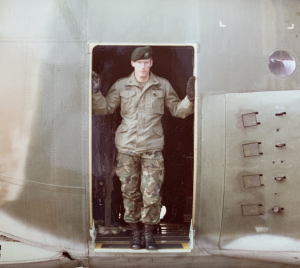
251,149
251,181
280,178
280,145
249,120
279,114
277,209
251,210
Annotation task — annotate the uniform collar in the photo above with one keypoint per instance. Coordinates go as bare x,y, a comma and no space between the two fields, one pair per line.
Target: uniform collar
132,81
152,80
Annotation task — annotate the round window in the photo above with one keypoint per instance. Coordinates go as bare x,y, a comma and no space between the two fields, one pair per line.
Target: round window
281,63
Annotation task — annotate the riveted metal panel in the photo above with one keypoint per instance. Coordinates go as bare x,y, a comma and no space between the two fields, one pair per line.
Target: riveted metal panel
19,252
210,188
231,60
247,222
43,21
225,262
44,176
162,23
67,263
42,264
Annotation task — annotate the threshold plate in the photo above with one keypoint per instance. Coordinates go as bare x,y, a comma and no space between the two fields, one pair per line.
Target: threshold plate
124,247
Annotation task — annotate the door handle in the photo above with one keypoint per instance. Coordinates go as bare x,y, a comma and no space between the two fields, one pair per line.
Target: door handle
280,145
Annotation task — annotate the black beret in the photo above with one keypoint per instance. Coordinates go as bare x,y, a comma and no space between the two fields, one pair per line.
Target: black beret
141,53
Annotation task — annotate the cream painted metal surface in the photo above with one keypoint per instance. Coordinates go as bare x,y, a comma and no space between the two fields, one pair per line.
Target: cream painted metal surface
211,188
43,107
224,165
44,99
269,231
18,252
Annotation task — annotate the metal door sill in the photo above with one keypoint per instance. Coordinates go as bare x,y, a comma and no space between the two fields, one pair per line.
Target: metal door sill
124,248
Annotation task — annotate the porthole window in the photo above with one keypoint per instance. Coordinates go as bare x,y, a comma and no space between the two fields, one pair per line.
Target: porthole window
282,64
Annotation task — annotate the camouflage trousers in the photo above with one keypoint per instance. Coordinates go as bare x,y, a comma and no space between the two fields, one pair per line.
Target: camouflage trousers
141,179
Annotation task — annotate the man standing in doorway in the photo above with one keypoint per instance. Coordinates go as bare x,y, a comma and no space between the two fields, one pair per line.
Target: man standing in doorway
139,138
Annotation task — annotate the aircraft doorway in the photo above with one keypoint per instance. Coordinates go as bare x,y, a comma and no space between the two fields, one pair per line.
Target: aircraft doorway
174,63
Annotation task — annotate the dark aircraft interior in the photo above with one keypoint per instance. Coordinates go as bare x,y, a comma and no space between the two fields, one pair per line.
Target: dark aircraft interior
174,63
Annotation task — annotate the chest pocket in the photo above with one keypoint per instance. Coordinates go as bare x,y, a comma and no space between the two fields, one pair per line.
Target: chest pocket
127,101
157,101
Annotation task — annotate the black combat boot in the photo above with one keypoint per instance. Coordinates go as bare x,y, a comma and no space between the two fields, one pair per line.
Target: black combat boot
135,242
149,240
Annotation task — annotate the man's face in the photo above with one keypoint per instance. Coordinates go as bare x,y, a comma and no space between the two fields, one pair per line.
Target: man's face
142,67
96,82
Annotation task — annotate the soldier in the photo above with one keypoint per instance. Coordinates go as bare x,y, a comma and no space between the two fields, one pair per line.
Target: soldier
140,139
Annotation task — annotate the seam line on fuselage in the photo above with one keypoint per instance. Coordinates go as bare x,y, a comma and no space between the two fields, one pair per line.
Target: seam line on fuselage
221,229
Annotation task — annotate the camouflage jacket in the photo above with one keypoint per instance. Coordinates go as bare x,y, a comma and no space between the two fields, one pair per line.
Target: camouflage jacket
141,110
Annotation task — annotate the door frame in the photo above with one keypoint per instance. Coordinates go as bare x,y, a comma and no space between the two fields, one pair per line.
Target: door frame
196,47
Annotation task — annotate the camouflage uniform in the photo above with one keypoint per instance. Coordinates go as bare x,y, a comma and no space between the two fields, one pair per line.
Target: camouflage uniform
140,139
141,176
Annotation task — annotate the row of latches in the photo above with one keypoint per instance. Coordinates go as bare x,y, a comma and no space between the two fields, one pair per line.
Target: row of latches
253,149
